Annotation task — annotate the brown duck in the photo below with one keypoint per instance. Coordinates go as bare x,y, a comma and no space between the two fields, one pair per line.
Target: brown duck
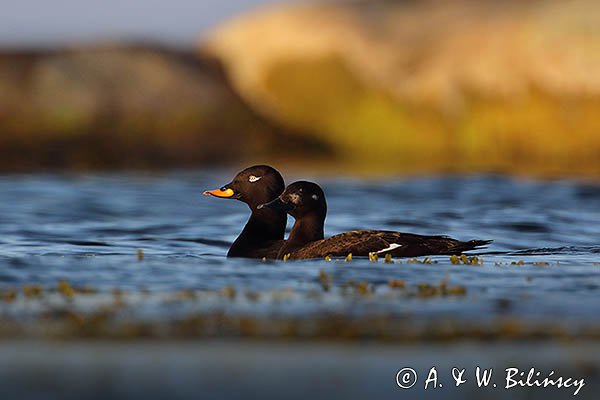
305,201
262,237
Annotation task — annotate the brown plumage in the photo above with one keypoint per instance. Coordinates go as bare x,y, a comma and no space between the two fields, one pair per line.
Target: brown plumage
363,242
305,201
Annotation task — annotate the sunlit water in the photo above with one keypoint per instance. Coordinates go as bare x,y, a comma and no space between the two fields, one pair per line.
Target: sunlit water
88,228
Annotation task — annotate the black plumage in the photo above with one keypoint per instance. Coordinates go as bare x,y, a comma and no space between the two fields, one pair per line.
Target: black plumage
305,201
262,236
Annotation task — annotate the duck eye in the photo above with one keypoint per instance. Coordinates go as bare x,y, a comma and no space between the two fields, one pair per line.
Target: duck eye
315,197
253,178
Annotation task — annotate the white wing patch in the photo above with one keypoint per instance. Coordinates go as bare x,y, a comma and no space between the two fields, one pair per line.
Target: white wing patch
393,246
253,178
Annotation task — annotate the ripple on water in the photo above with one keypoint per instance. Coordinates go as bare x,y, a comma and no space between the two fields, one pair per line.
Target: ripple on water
543,260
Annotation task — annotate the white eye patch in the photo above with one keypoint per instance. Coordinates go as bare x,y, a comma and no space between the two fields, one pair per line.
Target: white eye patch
315,197
253,178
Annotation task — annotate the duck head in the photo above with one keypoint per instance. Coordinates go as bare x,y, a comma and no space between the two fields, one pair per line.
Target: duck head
300,199
254,186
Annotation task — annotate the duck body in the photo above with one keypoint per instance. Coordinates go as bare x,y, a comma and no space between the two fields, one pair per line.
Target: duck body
268,250
305,201
263,234
365,242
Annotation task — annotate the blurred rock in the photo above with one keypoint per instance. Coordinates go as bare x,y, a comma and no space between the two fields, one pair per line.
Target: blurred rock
111,106
510,86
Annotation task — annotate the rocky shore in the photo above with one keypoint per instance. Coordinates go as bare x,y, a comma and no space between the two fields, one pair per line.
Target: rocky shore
366,86
460,86
111,106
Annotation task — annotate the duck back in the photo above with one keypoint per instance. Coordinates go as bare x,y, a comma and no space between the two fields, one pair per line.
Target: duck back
397,244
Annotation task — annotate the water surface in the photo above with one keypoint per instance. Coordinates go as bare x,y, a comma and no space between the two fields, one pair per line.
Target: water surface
87,229
539,281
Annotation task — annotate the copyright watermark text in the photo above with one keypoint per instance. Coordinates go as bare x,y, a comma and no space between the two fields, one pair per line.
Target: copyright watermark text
509,378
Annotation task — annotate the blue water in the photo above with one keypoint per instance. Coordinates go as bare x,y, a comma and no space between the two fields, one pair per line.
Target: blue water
88,228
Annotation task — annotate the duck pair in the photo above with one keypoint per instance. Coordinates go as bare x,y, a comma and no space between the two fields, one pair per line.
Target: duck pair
263,189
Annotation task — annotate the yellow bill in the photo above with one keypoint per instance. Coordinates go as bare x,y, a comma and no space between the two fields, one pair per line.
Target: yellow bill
219,193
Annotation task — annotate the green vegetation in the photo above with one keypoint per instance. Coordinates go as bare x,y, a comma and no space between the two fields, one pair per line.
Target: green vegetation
415,87
538,133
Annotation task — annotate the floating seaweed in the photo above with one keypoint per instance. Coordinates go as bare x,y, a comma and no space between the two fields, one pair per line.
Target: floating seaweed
32,291
9,295
474,260
442,289
252,296
361,288
325,280
65,289
396,284
229,292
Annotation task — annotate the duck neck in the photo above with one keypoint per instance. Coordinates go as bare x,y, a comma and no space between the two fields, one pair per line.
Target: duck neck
264,226
307,229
